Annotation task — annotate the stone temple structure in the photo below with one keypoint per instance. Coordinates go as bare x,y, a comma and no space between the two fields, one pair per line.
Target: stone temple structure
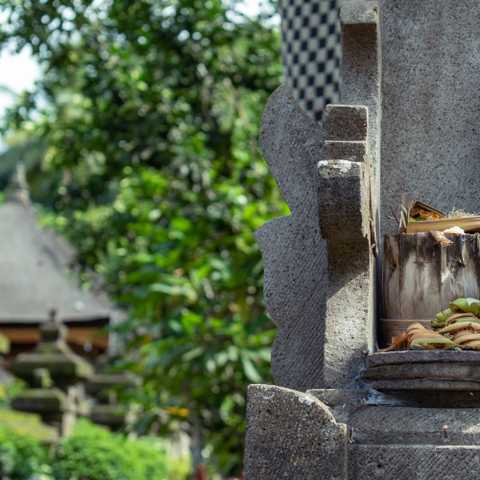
407,121
58,332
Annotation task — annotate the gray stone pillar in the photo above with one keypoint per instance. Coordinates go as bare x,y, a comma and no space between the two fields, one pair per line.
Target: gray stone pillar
292,435
430,142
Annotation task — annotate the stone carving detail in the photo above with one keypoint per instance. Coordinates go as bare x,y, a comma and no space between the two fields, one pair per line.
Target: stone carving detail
294,253
311,286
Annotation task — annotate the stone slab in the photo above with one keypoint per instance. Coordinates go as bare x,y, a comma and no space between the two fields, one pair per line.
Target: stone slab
346,122
292,435
430,371
342,402
415,462
341,215
346,150
417,426
345,220
358,12
425,384
422,356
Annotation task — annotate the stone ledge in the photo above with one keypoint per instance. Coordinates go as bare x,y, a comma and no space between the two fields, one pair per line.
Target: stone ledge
441,371
422,356
415,462
418,426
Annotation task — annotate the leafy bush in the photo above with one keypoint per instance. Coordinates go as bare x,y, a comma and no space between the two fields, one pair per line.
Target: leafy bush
93,453
26,424
22,457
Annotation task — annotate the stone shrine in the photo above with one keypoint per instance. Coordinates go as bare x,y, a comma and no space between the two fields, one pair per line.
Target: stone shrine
408,122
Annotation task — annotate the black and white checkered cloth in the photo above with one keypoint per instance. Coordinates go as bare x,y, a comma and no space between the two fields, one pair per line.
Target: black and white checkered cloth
311,48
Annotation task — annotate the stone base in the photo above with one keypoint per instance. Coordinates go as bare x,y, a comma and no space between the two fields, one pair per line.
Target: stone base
351,435
414,462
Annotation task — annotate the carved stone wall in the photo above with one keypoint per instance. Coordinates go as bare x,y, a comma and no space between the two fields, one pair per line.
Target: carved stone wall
294,254
408,122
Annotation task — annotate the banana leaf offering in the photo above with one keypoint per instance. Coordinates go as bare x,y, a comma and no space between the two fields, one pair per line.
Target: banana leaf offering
420,338
460,322
467,305
417,337
457,327
460,305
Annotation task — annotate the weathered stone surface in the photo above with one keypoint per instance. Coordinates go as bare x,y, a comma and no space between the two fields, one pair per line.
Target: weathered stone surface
292,435
431,107
425,384
430,371
424,370
294,253
346,150
341,215
346,122
345,220
429,148
361,86
342,401
424,398
414,462
402,425
358,12
361,75
422,356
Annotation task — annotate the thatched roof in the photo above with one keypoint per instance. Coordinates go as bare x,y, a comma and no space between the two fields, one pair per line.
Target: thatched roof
35,273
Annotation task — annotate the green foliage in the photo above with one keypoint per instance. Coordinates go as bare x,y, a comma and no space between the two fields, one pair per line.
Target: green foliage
25,424
9,388
90,453
149,114
93,453
22,457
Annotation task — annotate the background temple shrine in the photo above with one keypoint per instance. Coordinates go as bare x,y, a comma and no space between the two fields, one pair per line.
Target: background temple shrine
37,274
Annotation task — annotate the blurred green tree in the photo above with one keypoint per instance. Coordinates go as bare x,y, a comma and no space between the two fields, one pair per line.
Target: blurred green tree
147,112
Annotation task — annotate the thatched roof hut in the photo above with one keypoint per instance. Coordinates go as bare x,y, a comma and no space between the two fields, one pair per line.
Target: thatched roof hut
36,275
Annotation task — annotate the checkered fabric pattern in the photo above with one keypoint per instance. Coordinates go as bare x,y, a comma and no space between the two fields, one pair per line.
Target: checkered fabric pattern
311,48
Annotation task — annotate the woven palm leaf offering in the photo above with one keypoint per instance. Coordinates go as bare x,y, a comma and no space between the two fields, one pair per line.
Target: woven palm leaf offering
460,322
418,337
457,327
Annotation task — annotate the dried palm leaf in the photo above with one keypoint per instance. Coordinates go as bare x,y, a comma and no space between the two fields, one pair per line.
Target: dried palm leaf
420,337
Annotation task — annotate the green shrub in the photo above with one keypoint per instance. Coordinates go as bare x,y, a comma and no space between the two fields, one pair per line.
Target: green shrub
93,453
90,453
22,457
26,425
